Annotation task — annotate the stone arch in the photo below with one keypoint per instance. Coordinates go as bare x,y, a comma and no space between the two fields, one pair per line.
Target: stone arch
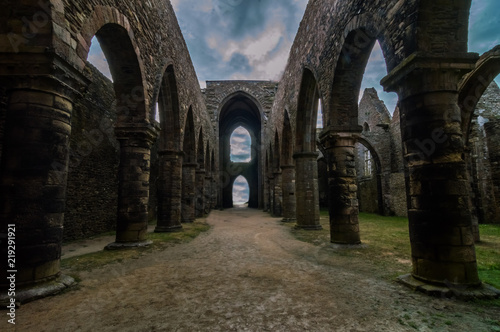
378,175
306,185
288,171
474,84
169,110
287,141
349,71
305,133
188,211
118,44
240,109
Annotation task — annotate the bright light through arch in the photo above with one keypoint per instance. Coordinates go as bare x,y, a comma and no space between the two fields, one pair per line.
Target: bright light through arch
97,58
241,143
241,191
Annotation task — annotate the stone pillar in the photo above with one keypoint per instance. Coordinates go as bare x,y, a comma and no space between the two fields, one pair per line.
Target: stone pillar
133,190
342,187
188,192
169,193
33,182
208,193
270,179
439,214
288,185
278,195
306,189
200,193
266,194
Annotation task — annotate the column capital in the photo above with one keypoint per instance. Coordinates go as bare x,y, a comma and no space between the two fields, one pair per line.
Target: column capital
446,71
142,131
42,71
333,138
304,155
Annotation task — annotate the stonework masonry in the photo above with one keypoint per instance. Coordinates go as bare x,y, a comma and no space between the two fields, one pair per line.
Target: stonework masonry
80,155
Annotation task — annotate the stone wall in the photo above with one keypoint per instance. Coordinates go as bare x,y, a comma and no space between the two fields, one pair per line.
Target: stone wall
484,145
94,156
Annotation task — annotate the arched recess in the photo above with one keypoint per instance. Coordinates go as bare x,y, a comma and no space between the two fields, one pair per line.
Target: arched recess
169,111
288,171
307,113
189,170
127,72
169,179
278,185
240,109
474,84
378,173
132,128
200,177
306,184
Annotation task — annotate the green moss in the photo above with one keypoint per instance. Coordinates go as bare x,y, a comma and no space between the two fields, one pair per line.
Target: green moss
160,241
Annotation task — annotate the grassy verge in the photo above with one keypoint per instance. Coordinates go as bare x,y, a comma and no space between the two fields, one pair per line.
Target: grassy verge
387,246
160,241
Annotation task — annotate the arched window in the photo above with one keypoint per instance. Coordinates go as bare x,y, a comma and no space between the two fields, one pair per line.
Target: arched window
241,143
366,127
241,191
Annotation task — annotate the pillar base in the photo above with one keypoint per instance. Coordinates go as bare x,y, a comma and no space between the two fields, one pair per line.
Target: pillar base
288,220
462,292
309,227
126,245
168,229
39,290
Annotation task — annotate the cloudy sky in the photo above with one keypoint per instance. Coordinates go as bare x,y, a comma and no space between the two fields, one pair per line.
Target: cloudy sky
240,190
240,142
251,39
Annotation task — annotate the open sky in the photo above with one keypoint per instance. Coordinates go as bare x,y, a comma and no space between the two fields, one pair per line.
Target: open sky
251,39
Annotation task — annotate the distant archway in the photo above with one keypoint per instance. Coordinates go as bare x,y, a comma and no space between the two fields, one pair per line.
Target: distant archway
241,191
240,110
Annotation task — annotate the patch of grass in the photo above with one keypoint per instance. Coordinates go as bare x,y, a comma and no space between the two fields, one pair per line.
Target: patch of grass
160,241
388,245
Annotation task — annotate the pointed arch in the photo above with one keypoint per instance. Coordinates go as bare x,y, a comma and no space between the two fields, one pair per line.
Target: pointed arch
189,146
169,111
277,153
200,155
287,142
307,113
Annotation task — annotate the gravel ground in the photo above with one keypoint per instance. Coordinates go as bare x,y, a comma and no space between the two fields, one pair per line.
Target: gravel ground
246,274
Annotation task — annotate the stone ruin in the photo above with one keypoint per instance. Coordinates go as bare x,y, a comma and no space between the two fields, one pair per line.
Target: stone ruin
80,152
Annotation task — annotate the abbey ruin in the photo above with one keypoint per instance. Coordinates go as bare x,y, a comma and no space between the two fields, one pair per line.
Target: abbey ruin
81,155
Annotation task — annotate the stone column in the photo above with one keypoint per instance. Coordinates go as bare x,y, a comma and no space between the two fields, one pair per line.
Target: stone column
33,182
208,193
306,189
169,192
278,195
270,180
188,192
266,194
200,193
288,185
439,215
133,190
342,187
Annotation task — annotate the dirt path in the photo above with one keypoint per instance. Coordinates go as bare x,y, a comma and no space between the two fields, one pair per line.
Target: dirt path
246,274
